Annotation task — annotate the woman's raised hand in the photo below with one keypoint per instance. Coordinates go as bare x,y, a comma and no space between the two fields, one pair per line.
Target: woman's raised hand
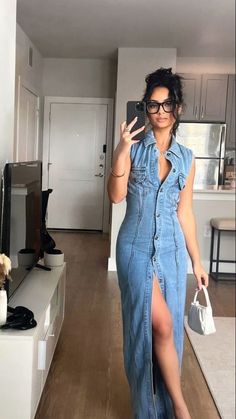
126,137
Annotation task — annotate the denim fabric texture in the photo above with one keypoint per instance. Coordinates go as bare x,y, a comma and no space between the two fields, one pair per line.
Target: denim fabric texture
150,241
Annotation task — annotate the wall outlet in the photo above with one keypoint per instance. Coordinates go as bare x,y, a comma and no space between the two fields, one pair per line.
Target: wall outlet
207,230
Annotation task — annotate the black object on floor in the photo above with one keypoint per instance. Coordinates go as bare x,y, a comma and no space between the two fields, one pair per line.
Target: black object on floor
47,242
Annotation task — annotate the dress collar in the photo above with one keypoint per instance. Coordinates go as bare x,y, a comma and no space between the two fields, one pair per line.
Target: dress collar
150,139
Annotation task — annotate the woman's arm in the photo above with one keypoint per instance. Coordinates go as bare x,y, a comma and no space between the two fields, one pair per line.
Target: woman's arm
187,220
117,185
121,163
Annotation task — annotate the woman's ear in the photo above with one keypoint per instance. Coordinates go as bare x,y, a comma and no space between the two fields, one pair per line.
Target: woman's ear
180,108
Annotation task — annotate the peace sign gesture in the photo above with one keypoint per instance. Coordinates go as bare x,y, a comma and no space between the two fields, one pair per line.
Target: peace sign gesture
126,137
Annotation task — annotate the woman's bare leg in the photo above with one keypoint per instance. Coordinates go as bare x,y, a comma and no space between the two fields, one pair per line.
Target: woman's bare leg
165,351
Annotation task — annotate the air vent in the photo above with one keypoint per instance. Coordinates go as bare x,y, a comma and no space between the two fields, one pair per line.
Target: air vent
30,58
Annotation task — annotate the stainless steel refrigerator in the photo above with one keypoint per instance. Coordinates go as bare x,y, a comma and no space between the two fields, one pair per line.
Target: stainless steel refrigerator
207,142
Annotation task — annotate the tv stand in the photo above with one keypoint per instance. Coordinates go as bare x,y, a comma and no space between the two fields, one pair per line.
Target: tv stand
26,355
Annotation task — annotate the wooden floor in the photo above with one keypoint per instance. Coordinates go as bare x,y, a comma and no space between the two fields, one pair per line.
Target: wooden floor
87,379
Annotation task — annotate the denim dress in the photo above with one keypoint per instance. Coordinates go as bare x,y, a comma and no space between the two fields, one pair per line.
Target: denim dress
151,242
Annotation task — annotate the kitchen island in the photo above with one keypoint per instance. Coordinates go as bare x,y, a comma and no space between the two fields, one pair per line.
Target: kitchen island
220,193
209,204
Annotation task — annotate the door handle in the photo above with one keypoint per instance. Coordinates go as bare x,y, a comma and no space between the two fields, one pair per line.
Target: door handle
49,164
99,175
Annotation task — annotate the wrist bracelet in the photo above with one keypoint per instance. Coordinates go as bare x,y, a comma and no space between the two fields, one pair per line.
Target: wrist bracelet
115,175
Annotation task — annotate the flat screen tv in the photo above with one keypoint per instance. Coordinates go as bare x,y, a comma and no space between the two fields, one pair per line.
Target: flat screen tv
21,218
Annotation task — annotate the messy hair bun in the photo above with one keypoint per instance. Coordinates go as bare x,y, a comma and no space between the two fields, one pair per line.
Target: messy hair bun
163,77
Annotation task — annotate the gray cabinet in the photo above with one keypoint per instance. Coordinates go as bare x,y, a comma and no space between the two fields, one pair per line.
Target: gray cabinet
205,97
192,96
230,114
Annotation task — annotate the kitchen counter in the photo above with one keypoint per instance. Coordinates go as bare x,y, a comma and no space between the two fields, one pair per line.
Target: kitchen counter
220,188
222,193
212,203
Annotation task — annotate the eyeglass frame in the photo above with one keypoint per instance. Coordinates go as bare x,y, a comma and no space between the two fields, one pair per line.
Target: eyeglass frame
161,104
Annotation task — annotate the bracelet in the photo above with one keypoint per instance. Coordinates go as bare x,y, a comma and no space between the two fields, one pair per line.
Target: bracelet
115,175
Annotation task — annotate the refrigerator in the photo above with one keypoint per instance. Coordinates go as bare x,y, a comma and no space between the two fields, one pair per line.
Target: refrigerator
207,141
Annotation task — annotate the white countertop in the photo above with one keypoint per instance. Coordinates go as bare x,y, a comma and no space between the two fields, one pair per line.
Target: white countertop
222,193
220,190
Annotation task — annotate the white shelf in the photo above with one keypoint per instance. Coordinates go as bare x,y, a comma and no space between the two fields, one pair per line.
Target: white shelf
26,355
35,293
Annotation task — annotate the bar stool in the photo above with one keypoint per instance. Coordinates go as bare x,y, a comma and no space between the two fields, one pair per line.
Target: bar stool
220,225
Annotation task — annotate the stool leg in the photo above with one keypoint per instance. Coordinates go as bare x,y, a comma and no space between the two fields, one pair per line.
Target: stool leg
218,255
212,247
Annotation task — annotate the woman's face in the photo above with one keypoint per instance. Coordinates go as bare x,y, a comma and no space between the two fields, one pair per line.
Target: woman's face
161,119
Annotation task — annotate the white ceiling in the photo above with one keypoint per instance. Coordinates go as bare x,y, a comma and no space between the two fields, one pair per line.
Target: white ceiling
96,28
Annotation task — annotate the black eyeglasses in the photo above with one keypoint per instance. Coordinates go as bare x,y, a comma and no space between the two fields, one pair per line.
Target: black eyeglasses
153,107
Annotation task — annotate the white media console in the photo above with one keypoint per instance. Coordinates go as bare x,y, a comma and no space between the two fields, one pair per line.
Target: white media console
25,356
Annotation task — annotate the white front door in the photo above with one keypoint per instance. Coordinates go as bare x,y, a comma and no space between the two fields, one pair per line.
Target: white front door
26,144
77,135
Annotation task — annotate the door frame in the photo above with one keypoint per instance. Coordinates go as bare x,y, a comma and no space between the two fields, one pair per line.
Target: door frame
48,101
21,84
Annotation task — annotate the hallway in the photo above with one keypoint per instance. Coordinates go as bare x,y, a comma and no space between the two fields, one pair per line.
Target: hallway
87,379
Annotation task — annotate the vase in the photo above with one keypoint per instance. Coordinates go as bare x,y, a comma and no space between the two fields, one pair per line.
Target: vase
3,307
53,258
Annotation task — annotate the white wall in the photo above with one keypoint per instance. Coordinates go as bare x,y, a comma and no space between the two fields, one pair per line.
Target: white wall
61,77
79,77
207,65
30,77
133,65
7,78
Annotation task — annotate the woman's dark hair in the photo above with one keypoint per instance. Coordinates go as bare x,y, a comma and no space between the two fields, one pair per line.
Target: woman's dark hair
163,77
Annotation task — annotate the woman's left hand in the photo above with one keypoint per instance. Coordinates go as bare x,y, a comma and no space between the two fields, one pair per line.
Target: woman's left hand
200,275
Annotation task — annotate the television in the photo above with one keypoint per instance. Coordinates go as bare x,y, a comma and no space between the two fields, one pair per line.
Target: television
21,218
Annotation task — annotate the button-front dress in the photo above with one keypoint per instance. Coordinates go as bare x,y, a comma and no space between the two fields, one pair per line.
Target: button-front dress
151,243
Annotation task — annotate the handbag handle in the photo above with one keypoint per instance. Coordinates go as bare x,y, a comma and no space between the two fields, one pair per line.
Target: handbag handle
206,296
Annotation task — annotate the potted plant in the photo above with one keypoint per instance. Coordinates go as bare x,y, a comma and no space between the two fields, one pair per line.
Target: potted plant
5,267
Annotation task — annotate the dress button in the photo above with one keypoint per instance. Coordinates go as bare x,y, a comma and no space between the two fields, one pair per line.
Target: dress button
154,259
168,154
158,215
174,170
156,237
161,190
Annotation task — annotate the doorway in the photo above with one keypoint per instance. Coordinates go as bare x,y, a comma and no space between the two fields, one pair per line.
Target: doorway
76,157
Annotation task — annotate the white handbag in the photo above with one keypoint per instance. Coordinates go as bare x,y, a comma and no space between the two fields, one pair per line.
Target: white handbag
200,318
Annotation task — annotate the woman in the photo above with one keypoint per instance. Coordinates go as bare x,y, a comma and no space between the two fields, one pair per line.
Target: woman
156,176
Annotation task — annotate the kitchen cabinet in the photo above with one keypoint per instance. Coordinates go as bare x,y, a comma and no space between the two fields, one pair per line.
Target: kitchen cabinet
230,114
205,97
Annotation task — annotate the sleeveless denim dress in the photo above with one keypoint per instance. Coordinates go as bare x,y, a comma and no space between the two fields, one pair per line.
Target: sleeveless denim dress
150,241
